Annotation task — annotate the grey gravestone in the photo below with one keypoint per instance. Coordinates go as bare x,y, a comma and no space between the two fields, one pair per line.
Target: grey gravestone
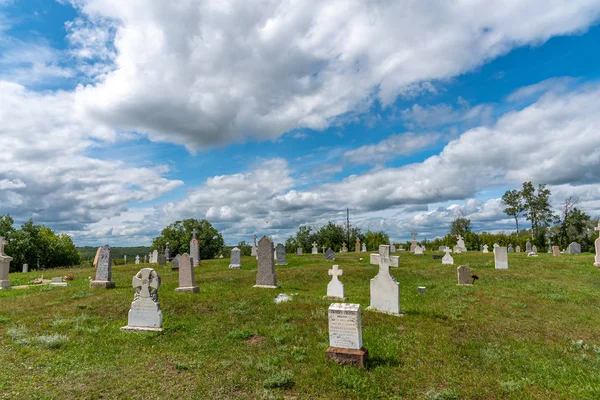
187,283
104,269
162,260
528,246
510,249
280,254
299,251
4,266
145,259
330,254
464,275
344,248
195,249
265,274
125,260
461,244
25,268
392,248
58,281
413,244
385,291
534,249
501,258
235,262
168,252
574,248
176,260
597,247
145,313
442,248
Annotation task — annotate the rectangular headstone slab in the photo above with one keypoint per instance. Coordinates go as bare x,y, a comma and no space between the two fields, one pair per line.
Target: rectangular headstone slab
501,257
464,275
574,248
345,328
25,268
58,281
280,254
162,259
104,270
299,251
187,283
528,246
265,274
556,251
234,261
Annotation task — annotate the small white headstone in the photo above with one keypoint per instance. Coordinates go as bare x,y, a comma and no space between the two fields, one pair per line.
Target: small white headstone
447,259
145,313
345,327
485,248
501,257
418,251
335,288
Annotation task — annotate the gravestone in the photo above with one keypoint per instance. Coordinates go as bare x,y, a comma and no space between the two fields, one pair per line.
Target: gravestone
253,250
518,249
442,248
195,248
392,248
364,247
597,246
501,258
137,260
176,260
145,259
280,254
447,259
25,267
510,249
574,248
58,281
345,335
461,244
234,261
357,245
125,260
464,275
335,288
299,251
413,244
162,260
315,249
145,314
496,245
330,255
95,263
4,266
187,283
422,290
485,249
344,248
418,251
534,249
154,258
549,248
385,291
528,246
168,252
265,274
104,270
555,251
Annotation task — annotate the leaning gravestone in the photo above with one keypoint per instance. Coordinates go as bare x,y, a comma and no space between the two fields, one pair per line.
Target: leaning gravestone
265,274
195,249
234,261
447,259
385,291
597,246
528,246
574,248
335,288
145,314
555,251
4,266
187,283
501,258
330,255
315,249
345,335
104,271
280,254
299,251
464,275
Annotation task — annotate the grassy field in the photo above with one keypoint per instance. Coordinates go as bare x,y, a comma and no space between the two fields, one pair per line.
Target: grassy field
530,332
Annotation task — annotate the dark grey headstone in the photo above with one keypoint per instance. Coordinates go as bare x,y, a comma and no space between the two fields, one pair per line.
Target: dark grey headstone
528,246
265,274
280,254
330,254
162,260
176,260
104,270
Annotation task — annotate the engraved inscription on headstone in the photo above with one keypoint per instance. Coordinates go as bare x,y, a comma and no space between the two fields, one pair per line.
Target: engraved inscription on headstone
345,327
145,313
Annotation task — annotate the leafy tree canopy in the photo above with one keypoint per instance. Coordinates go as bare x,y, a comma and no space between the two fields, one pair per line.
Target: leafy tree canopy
179,235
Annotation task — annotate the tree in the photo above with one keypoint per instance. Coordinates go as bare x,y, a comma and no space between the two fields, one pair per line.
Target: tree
537,207
374,239
513,200
331,235
460,226
179,235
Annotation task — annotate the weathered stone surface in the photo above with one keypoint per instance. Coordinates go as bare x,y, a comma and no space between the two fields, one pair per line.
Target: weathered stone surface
4,266
392,248
510,248
496,245
385,291
187,282
162,259
574,248
25,268
299,251
335,288
485,249
154,257
357,245
95,263
413,244
447,259
234,261
280,254
195,248
58,281
344,248
464,275
518,249
419,251
534,249
176,260
345,327
556,251
330,254
460,244
104,270
528,246
265,275
315,249
501,258
357,358
145,313
364,247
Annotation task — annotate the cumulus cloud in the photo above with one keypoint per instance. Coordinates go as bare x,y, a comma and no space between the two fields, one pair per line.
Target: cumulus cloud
211,73
394,146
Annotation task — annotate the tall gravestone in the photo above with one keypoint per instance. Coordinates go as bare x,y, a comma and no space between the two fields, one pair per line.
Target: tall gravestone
496,245
364,247
154,259
597,246
528,246
187,282
385,291
447,259
145,314
555,251
464,275
104,270
125,259
145,259
234,261
315,249
195,248
168,252
265,274
335,288
413,244
357,245
280,254
253,250
345,335
501,258
162,259
4,266
137,260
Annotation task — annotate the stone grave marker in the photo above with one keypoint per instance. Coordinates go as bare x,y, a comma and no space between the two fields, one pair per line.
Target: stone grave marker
253,250
392,248
464,275
4,266
95,263
137,260
501,258
442,248
195,248
461,244
265,274
145,259
496,245
315,249
447,259
357,245
597,247
176,260
518,249
485,249
25,267
335,288
574,248
413,244
234,261
168,252
419,251
555,251
125,259
330,254
364,247
280,254
299,251
510,248
104,270
528,246
162,259
344,248
187,283
385,291
145,314
534,249
154,258
58,281
345,335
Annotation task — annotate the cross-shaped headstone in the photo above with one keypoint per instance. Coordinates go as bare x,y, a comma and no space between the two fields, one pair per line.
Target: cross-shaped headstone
414,234
324,249
2,243
145,282
459,237
597,228
314,244
335,271
195,232
447,250
384,260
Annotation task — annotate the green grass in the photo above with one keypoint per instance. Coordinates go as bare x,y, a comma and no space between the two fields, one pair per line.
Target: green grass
529,332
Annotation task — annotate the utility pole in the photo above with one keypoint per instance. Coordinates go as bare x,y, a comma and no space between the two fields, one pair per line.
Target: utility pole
348,225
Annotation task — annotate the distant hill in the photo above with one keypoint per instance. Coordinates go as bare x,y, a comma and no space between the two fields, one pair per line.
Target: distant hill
88,252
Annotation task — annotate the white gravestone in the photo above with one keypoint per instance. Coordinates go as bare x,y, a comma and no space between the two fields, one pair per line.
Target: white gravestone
154,259
518,249
461,244
235,262
485,249
299,251
4,266
137,260
496,245
25,268
364,247
597,245
145,313
59,282
413,244
335,288
315,249
345,327
418,251
385,291
501,257
447,259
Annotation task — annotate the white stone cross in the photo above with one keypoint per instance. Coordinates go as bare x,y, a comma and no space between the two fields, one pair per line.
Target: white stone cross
596,228
314,244
2,243
459,237
335,271
194,232
414,235
385,261
448,250
144,281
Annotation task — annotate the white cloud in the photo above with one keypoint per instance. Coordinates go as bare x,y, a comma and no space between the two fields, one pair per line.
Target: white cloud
394,146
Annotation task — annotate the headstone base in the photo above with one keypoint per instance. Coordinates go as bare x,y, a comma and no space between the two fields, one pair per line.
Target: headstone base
102,284
357,358
139,329
191,289
281,263
235,266
60,284
267,286
597,264
401,314
335,298
464,284
4,285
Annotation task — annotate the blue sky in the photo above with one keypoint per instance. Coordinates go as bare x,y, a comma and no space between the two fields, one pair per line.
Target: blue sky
124,117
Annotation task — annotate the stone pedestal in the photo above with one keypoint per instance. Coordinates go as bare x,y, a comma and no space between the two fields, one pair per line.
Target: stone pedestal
345,335
353,357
